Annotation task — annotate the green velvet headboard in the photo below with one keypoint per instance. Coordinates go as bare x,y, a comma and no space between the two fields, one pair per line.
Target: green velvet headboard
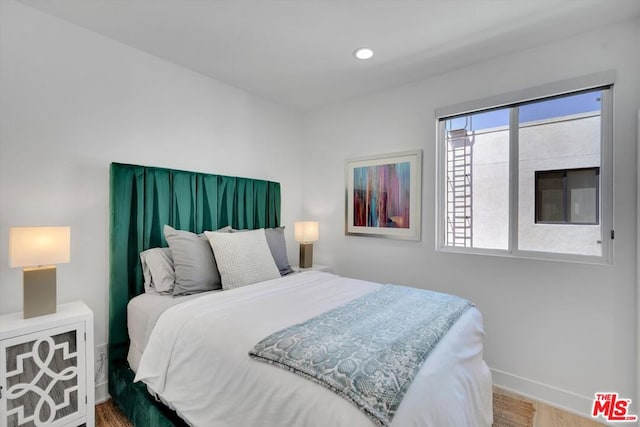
143,199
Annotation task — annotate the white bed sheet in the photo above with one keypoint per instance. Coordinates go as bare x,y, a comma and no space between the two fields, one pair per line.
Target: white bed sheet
197,361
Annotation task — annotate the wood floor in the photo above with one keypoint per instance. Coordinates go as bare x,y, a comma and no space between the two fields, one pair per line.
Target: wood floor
108,415
510,410
513,410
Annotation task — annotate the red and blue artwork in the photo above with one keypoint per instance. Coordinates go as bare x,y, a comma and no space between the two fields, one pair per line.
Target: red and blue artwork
381,195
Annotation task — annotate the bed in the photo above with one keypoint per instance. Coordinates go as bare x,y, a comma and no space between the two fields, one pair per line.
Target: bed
162,369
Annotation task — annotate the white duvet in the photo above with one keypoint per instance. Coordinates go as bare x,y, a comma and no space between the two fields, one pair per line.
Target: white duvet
197,361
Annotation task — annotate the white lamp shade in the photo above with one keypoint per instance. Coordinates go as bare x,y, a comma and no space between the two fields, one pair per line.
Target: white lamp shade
33,246
306,231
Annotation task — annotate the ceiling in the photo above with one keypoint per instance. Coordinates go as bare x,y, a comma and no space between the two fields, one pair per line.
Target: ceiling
299,53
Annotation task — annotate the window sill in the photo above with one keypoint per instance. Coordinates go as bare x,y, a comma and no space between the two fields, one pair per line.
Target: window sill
532,255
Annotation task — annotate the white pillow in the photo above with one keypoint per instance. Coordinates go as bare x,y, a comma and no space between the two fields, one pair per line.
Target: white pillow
242,258
157,268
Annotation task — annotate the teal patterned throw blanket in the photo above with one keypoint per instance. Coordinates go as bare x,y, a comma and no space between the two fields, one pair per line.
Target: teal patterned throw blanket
368,350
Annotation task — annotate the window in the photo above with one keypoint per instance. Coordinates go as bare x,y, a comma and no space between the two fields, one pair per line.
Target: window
529,178
567,196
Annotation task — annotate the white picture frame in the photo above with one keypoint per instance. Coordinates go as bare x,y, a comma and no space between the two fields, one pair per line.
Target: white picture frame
384,196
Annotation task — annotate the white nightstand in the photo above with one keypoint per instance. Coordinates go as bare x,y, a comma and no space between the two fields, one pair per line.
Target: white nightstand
315,267
46,365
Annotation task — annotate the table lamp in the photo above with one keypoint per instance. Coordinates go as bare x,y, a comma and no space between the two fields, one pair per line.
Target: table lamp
37,250
306,232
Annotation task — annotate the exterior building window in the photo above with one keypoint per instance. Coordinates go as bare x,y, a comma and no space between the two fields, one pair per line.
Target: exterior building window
528,179
567,196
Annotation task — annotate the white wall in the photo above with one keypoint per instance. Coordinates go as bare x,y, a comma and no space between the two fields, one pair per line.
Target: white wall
554,330
638,266
72,102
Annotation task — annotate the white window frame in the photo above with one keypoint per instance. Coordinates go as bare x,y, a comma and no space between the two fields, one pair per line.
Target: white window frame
604,80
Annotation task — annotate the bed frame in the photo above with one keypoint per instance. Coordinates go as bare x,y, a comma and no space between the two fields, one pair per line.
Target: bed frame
142,200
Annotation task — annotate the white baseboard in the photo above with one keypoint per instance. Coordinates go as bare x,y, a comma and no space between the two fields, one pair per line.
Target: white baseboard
550,395
102,393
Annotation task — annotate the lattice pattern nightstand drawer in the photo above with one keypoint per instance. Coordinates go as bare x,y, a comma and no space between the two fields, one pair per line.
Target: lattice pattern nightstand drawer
46,370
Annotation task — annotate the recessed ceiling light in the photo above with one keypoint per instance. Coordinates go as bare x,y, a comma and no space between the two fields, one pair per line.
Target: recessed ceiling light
363,53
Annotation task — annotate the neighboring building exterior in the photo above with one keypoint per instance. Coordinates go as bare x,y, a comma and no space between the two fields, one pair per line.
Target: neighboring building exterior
568,142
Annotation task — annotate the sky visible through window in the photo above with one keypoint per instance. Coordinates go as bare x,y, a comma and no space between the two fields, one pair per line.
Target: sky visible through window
563,106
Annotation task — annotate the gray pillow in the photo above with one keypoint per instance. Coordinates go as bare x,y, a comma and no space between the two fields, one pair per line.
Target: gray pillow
158,271
278,248
193,261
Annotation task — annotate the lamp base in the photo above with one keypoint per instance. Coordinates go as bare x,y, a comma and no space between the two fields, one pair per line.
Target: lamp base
39,293
306,255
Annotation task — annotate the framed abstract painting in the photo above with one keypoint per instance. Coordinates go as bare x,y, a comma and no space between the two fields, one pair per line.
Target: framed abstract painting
384,195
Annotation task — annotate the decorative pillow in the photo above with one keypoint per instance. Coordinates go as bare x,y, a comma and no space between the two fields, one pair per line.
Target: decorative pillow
157,268
243,258
194,264
278,248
